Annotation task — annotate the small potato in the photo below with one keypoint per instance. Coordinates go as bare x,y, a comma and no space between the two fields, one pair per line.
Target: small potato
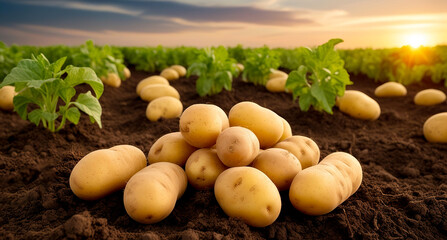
358,105
7,94
429,97
104,171
240,67
170,74
126,72
279,165
171,147
237,146
263,122
164,107
154,91
149,81
179,69
201,124
248,194
112,80
277,73
304,148
277,84
319,189
203,167
391,89
151,194
435,128
287,130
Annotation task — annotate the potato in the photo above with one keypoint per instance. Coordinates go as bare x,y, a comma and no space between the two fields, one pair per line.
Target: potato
240,67
287,132
248,194
358,105
179,69
429,97
274,73
126,72
391,89
104,171
170,74
154,91
277,84
112,80
151,194
149,81
171,147
304,148
279,165
203,167
7,94
237,146
319,189
435,128
201,124
263,122
164,107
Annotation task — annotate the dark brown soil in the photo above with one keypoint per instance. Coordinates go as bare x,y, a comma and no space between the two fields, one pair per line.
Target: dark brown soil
403,194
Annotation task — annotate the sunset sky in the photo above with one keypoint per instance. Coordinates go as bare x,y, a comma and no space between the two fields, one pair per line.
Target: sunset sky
276,23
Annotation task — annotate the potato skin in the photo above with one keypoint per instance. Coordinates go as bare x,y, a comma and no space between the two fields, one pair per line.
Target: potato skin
149,81
287,132
435,128
263,122
154,91
203,167
277,84
104,171
112,80
248,194
170,147
391,89
304,148
7,94
279,165
151,194
126,72
319,189
164,107
240,67
237,146
179,69
274,73
358,105
429,97
170,74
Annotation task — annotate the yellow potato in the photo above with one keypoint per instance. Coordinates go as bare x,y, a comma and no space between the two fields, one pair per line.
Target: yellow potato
319,189
429,97
203,167
277,84
170,74
358,105
149,81
164,107
112,80
240,67
287,132
171,147
435,128
179,69
277,73
201,124
279,165
126,72
151,194
304,148
248,194
7,94
104,171
391,89
263,122
237,146
154,91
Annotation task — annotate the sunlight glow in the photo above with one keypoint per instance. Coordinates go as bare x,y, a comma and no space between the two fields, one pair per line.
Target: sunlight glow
416,40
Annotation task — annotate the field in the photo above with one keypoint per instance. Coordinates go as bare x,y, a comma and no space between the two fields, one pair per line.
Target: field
403,194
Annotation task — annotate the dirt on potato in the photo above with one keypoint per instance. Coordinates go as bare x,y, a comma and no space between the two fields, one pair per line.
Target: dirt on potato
403,194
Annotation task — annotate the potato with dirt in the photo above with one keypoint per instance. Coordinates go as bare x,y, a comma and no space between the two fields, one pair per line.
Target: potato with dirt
170,74
164,107
319,189
149,81
7,94
248,194
305,149
429,97
203,167
435,128
154,91
358,105
104,171
391,89
151,194
237,146
170,147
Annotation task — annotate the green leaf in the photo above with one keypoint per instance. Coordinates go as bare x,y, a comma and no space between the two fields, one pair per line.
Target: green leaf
80,75
21,105
38,83
57,66
73,115
87,103
26,70
67,93
35,116
324,96
203,85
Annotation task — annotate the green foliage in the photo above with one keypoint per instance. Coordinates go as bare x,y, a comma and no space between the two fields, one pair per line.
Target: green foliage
321,79
8,59
291,58
258,63
39,83
215,70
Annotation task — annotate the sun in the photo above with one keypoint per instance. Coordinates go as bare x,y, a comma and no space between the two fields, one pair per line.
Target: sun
416,40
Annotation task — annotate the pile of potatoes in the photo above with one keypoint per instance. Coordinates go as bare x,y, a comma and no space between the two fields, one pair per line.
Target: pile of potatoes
164,100
113,79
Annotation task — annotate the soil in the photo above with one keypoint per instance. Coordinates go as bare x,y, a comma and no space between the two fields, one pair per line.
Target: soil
403,194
